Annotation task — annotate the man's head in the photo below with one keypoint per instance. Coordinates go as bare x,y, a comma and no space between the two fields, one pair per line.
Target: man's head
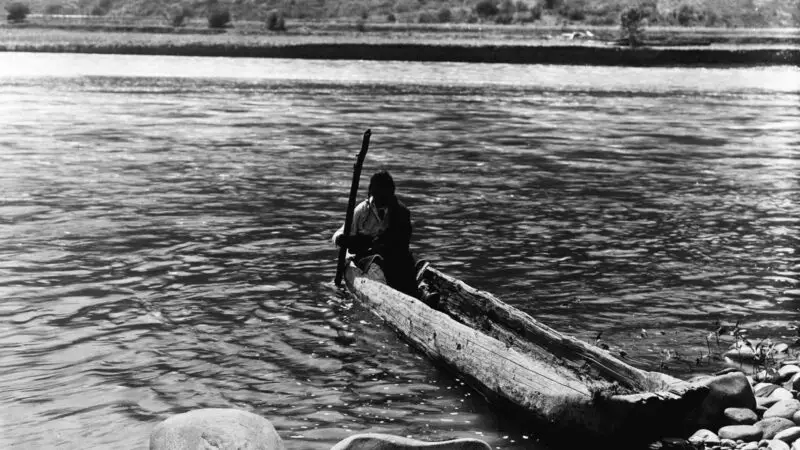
381,189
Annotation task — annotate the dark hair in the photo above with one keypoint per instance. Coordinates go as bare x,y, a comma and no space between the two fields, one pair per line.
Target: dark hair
381,181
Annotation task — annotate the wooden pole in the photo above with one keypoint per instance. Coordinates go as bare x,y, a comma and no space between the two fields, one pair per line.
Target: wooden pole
351,205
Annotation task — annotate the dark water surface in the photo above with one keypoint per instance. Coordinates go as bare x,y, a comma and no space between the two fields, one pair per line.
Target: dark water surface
164,230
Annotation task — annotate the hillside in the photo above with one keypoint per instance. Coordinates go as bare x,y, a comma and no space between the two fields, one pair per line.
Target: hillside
708,13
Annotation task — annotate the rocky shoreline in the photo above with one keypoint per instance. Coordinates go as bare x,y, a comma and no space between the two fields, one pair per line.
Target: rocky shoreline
607,55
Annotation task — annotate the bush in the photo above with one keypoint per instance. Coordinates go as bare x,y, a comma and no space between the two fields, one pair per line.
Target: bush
486,8
686,15
573,10
444,15
632,25
391,18
275,21
219,18
17,12
521,6
178,14
426,17
54,9
552,4
536,12
361,25
503,19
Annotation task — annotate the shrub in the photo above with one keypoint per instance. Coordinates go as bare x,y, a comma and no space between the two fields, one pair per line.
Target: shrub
632,25
486,8
219,18
426,17
178,14
686,15
573,10
17,12
275,21
552,4
444,15
391,18
361,25
503,19
521,6
536,12
54,9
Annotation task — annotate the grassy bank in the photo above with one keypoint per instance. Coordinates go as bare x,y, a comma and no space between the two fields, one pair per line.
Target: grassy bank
461,46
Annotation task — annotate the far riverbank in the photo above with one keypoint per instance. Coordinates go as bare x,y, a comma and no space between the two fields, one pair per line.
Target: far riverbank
392,45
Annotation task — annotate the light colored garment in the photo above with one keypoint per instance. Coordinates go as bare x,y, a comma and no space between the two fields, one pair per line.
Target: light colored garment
366,220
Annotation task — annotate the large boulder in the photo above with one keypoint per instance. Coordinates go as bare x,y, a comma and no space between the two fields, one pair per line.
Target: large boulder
215,428
376,441
731,390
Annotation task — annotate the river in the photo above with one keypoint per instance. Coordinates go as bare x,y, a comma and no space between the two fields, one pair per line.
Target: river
165,225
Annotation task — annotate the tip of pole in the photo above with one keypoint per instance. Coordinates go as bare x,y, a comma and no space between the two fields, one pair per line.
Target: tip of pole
369,131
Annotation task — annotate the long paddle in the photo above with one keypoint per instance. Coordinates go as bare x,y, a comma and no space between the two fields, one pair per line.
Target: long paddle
351,205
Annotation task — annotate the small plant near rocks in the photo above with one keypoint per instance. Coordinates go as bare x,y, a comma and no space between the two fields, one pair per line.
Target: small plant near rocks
17,12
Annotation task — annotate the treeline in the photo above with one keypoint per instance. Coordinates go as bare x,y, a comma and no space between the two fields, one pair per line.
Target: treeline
223,13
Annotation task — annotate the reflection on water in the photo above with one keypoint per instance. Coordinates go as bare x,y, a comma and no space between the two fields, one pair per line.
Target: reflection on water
164,235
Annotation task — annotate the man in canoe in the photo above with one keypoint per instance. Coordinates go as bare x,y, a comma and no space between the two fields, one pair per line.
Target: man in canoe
382,226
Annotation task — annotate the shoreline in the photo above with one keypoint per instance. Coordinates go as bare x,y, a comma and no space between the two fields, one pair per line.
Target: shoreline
442,46
507,54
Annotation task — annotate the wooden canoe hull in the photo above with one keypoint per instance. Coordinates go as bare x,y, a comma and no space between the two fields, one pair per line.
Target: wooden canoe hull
513,369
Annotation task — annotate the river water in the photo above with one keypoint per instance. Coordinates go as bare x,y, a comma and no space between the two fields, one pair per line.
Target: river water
165,224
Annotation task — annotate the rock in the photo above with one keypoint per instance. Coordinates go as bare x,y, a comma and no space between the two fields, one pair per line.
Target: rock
787,372
741,352
783,408
375,441
218,428
777,445
731,390
727,443
795,382
749,446
740,416
789,435
796,445
773,425
765,403
747,433
780,394
796,418
703,436
764,389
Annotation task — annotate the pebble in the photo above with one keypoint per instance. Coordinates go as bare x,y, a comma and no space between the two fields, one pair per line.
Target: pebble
777,445
749,446
796,418
704,436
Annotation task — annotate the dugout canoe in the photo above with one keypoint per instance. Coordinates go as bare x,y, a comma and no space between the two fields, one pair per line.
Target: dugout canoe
562,385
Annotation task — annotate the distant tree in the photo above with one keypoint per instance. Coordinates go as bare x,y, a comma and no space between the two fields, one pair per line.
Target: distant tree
275,21
391,18
426,17
552,4
686,15
486,8
54,9
178,14
444,15
632,25
17,12
219,18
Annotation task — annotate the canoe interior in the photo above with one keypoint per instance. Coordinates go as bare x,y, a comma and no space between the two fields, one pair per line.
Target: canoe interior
527,367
